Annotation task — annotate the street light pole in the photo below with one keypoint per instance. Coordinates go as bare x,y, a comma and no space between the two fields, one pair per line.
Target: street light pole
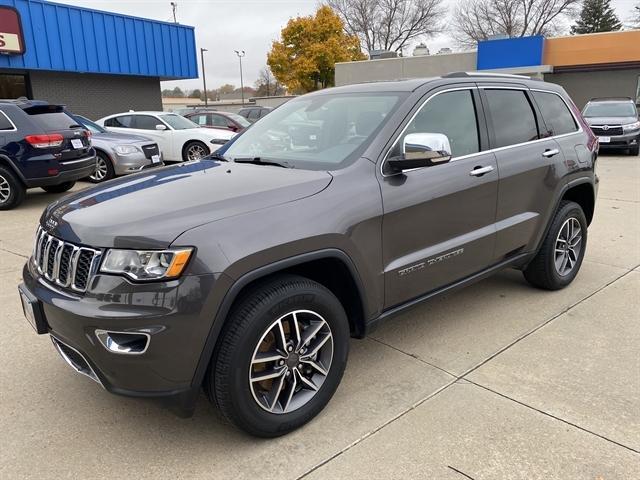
204,75
241,54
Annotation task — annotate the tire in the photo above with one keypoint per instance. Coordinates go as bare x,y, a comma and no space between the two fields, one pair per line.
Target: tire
249,327
60,188
190,149
12,191
546,269
104,169
635,150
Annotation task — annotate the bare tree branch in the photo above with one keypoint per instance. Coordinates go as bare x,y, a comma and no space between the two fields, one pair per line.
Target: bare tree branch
390,24
476,20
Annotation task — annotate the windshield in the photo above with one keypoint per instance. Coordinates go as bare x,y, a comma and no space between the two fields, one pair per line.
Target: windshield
92,127
610,109
318,132
177,122
239,119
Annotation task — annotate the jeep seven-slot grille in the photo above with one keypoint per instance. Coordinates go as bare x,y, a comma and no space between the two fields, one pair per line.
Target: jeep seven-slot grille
64,263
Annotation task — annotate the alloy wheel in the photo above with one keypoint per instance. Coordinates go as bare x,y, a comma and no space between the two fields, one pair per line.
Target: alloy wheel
5,189
196,152
291,361
568,246
101,170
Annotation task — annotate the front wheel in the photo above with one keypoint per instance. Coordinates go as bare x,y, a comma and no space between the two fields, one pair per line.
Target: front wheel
60,188
280,357
104,169
194,151
635,150
562,251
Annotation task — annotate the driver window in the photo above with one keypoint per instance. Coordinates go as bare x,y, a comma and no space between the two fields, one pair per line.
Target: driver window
452,114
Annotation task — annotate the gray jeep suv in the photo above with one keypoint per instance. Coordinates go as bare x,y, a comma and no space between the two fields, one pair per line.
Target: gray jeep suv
247,272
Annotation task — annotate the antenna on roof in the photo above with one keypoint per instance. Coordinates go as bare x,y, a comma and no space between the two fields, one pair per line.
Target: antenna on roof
174,7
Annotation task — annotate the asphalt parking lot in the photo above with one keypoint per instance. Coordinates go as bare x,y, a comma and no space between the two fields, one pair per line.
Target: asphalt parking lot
496,381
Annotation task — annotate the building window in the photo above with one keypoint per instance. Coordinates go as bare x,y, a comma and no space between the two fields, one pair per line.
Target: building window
13,86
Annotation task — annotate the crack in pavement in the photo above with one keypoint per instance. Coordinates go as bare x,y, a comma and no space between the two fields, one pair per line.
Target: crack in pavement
460,472
14,253
467,372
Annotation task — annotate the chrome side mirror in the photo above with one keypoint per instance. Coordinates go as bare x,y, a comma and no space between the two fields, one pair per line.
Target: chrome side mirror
421,150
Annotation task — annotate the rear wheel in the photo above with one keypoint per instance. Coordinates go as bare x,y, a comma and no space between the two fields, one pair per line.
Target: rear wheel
560,257
194,151
60,188
12,191
280,356
104,169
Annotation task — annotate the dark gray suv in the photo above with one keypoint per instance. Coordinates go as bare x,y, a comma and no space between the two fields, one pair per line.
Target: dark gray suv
615,122
248,271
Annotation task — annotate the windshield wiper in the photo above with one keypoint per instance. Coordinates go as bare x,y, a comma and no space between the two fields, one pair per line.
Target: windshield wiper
260,161
216,156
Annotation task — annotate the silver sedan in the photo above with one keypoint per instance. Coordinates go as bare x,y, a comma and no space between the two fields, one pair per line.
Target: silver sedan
119,153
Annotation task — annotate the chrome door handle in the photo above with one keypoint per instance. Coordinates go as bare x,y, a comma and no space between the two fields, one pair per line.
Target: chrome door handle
479,171
550,153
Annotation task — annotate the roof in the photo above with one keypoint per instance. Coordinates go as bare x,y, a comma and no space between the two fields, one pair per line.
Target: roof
611,99
72,39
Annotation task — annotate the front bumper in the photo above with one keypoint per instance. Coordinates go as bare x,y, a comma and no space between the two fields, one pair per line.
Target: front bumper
127,164
621,141
176,315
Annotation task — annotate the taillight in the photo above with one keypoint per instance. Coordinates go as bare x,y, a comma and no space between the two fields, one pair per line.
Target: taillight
44,141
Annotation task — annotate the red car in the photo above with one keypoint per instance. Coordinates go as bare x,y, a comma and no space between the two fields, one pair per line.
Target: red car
216,119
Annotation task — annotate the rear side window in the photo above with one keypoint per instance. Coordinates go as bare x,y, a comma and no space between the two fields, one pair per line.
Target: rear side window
453,114
52,121
5,123
123,121
556,115
200,119
513,118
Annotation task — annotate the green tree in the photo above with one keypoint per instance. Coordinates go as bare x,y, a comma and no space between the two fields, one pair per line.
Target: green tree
596,16
196,93
177,92
226,88
304,58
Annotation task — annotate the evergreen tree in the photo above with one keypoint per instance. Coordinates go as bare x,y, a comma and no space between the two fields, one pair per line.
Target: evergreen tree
596,16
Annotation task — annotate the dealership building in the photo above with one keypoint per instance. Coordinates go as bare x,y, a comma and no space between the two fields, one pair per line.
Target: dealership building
97,63
587,66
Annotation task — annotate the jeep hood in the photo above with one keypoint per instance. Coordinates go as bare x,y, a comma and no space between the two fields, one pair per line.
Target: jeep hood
150,210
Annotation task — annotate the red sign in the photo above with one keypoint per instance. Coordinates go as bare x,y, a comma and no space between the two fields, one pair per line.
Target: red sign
11,38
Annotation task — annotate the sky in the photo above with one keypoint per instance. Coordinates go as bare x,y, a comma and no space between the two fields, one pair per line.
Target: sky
250,25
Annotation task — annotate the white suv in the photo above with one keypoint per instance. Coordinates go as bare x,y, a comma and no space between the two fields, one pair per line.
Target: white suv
179,139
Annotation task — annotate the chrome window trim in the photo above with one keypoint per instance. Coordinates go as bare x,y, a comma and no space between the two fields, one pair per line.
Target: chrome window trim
14,129
491,150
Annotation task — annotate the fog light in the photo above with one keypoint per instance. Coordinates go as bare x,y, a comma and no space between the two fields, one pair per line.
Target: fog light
127,343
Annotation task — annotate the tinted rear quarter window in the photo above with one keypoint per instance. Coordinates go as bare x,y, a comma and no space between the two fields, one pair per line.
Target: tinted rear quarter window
123,121
556,114
5,123
512,115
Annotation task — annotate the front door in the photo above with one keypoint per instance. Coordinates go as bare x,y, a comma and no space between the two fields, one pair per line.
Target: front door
145,125
438,224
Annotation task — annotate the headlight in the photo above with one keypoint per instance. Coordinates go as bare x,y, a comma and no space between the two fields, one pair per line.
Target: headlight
147,264
126,149
219,141
631,126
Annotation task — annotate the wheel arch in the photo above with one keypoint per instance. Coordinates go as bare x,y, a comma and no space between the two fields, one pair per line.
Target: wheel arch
332,268
183,150
6,162
583,194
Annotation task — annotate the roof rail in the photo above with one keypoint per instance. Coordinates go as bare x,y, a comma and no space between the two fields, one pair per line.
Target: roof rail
485,74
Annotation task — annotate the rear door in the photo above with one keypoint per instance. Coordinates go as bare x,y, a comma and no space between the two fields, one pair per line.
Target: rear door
527,159
438,224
